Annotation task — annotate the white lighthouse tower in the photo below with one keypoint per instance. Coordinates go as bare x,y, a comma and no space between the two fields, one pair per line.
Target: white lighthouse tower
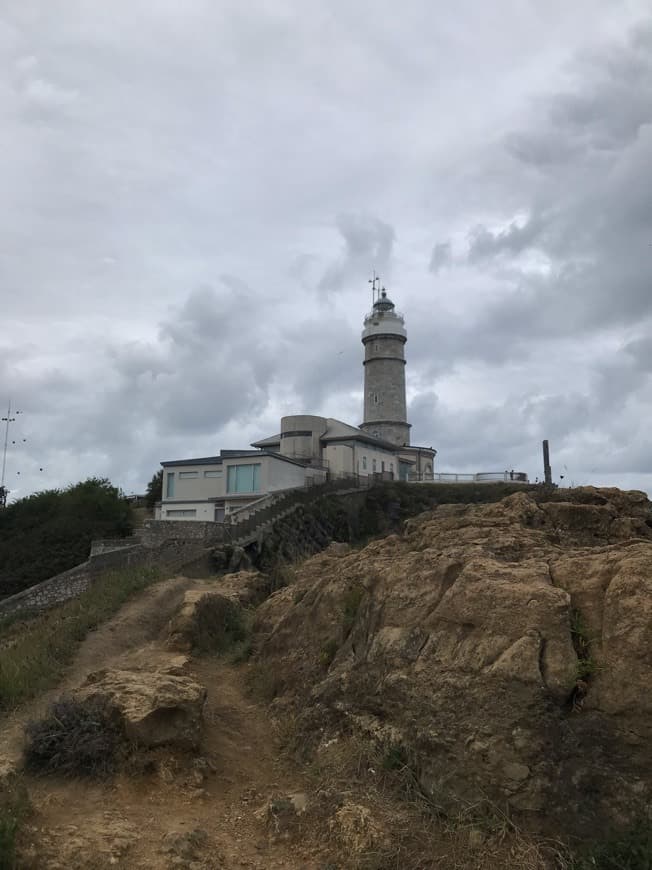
384,337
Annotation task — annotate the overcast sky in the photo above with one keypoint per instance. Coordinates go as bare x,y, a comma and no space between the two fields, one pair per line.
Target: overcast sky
195,193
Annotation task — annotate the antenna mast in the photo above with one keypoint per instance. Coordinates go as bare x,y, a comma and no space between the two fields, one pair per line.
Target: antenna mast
375,287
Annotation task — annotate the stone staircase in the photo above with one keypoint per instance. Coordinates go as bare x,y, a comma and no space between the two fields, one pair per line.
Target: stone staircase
253,527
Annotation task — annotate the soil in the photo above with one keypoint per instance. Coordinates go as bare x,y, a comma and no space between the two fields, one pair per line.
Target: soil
176,810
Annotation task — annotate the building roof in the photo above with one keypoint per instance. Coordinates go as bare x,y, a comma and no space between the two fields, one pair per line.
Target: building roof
272,441
336,430
231,454
204,460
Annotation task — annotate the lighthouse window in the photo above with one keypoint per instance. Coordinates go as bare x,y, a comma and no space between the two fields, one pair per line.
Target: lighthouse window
375,398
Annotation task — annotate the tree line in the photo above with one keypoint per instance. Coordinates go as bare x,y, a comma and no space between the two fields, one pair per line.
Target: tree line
51,531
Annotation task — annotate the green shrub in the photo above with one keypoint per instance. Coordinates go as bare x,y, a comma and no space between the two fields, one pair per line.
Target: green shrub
50,532
396,757
35,652
629,850
221,625
586,664
75,738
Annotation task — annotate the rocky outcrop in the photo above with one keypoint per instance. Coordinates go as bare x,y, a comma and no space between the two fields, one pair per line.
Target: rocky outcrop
155,708
507,646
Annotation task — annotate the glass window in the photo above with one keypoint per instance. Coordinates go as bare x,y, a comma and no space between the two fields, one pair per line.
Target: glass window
382,465
243,478
373,465
169,490
212,474
364,463
185,474
182,513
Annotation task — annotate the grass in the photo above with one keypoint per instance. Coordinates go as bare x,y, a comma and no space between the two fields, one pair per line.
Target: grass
35,652
14,807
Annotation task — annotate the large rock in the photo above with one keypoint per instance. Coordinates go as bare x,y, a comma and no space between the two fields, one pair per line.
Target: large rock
155,708
508,646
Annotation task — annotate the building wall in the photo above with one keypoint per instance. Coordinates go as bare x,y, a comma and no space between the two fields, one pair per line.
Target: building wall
284,475
349,458
340,458
300,436
199,487
385,410
423,459
195,497
185,511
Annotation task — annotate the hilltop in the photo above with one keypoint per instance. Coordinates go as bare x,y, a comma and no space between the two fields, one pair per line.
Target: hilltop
468,690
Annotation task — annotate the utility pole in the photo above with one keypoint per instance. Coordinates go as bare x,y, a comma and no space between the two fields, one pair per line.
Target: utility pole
6,420
547,470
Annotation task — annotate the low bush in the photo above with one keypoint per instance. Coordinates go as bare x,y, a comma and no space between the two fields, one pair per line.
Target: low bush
75,738
34,652
221,626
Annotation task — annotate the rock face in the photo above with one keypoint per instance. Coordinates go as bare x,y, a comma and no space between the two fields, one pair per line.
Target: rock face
507,646
155,708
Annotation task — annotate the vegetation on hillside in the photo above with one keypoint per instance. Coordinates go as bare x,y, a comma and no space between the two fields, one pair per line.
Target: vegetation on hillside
154,489
51,531
35,650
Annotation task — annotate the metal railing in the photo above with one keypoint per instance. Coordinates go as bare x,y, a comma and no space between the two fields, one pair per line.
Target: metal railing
288,501
480,477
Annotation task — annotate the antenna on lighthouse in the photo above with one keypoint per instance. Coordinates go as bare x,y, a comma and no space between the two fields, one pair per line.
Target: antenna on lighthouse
375,286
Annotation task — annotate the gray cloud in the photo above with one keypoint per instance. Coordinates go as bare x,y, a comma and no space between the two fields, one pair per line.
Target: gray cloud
195,198
367,240
442,256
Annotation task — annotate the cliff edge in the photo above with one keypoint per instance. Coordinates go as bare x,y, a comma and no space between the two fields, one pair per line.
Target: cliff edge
503,651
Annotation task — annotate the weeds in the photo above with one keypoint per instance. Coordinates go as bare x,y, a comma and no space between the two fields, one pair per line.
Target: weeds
75,739
352,601
328,653
629,850
36,652
586,664
14,808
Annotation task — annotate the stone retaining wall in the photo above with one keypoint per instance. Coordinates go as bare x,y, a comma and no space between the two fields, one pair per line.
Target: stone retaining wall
154,533
69,584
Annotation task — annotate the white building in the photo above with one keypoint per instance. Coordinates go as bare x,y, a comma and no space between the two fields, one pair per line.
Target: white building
312,449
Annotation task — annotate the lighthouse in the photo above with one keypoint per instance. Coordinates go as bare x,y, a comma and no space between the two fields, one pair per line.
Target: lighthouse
384,338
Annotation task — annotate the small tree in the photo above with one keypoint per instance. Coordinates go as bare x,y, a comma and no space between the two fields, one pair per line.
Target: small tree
154,489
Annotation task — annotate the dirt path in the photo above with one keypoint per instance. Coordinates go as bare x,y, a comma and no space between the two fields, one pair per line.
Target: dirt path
205,811
131,634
